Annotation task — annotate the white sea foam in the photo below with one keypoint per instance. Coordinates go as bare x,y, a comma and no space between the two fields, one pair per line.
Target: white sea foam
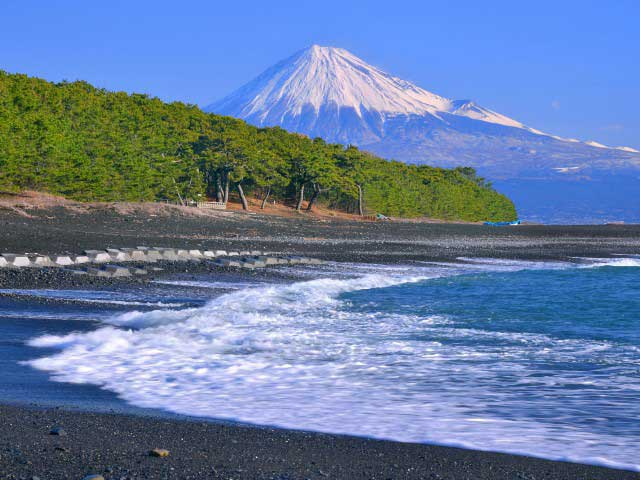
89,296
299,356
510,265
610,262
221,285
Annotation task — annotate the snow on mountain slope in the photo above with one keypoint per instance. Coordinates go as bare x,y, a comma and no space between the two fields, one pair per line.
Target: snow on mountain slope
320,81
319,76
330,93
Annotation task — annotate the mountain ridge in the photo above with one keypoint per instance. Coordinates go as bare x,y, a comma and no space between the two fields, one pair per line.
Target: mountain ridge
330,93
318,76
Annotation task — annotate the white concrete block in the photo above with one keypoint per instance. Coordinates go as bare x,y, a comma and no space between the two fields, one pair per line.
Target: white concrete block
98,256
221,253
16,261
63,260
97,272
209,254
80,259
196,253
153,254
135,254
227,262
169,254
118,255
41,261
255,262
3,262
117,271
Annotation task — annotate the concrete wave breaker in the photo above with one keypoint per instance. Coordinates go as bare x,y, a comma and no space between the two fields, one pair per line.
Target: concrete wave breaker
142,254
16,261
109,271
118,255
98,256
41,261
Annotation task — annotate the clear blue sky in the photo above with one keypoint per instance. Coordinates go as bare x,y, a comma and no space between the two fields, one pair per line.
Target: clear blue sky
567,67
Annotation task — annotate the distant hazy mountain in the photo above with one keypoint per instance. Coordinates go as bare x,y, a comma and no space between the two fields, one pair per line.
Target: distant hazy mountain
330,93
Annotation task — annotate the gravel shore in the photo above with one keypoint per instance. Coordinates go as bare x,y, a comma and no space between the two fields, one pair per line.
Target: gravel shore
62,230
117,446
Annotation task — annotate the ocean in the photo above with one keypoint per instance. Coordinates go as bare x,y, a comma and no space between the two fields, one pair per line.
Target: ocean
534,358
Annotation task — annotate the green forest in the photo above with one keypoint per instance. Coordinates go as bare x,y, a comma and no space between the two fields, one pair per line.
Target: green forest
89,144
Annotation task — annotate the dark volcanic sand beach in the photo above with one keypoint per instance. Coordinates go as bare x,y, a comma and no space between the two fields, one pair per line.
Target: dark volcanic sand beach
116,445
59,230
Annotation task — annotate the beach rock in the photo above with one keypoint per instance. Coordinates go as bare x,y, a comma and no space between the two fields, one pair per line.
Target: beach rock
159,452
59,431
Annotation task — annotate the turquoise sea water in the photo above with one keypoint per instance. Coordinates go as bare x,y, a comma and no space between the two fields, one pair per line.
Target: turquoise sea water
526,357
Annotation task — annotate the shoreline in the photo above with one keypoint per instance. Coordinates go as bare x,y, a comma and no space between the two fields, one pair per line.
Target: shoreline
59,230
116,445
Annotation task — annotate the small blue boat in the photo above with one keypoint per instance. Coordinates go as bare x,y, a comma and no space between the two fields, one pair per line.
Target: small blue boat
502,224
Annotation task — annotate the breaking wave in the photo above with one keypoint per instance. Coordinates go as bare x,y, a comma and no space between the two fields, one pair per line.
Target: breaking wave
313,355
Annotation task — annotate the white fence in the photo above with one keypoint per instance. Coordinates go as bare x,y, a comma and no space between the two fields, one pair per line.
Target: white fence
212,205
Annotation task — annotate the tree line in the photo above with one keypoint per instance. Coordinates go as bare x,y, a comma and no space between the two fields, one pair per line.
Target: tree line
90,144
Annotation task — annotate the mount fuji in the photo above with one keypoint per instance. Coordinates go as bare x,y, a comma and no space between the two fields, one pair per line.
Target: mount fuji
330,93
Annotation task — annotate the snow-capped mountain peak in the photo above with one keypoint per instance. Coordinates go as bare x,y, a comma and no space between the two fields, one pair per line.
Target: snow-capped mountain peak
329,92
319,76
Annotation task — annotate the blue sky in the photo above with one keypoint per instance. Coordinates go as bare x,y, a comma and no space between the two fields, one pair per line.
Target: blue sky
571,68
